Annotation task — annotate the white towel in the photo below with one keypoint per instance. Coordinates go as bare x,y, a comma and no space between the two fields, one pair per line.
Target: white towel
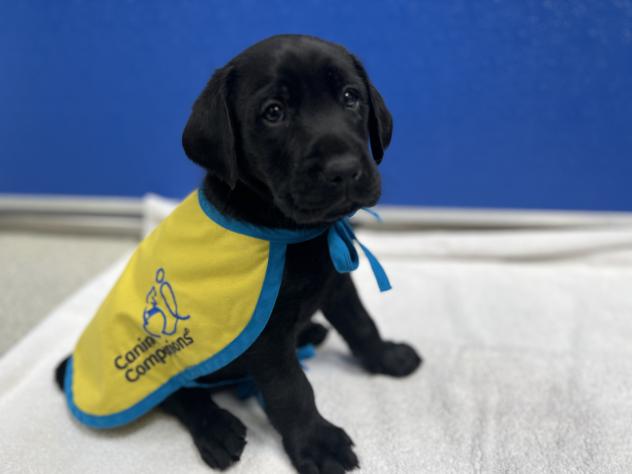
527,340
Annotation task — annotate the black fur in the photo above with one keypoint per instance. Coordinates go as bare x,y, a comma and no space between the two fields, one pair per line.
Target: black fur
308,168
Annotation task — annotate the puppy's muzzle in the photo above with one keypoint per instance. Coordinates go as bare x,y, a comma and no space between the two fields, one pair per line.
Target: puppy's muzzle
341,171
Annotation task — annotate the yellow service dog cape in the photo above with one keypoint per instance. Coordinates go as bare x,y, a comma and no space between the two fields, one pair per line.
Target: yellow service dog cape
195,295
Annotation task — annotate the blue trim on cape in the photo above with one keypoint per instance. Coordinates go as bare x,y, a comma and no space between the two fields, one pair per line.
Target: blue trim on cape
258,321
286,236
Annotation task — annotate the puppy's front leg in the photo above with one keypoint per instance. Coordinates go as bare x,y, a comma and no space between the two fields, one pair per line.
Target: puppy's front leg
344,310
313,444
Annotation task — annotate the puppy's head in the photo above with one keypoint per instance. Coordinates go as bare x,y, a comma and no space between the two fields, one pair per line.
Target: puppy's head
293,117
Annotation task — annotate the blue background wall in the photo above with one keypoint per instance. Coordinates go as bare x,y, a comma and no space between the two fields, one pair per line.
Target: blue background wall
496,103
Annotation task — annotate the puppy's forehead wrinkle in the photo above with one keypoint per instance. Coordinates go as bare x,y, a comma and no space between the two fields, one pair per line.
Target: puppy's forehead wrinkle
301,67
269,86
317,70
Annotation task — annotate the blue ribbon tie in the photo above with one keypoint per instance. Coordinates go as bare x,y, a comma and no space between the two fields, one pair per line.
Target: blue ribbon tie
344,256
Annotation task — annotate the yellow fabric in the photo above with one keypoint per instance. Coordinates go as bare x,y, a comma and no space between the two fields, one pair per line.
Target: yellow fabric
190,277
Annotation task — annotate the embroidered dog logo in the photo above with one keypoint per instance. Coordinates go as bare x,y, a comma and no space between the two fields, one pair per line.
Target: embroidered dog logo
161,316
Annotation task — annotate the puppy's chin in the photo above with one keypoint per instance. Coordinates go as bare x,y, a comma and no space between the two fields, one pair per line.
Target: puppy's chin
317,218
325,214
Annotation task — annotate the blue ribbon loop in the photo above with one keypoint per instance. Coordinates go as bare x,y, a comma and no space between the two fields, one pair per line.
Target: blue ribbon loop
344,256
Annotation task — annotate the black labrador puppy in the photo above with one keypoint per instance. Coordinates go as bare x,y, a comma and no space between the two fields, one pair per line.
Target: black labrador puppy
283,132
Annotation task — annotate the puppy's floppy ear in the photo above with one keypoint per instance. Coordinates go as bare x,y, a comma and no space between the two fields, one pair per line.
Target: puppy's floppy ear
380,119
208,137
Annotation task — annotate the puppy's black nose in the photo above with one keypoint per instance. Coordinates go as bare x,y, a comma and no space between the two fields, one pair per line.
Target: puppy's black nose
341,170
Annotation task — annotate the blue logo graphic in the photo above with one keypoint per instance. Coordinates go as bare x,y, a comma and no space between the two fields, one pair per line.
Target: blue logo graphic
166,308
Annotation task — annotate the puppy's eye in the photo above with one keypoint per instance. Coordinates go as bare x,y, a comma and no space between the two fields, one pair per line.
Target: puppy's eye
351,98
274,113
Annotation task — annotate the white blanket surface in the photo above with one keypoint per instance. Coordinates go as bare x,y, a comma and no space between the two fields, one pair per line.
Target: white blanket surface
527,341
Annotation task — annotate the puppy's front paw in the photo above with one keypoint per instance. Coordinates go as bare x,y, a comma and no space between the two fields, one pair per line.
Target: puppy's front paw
220,437
321,448
392,358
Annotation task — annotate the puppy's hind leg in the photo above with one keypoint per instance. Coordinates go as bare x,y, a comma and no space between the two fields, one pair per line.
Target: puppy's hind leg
312,333
60,373
219,435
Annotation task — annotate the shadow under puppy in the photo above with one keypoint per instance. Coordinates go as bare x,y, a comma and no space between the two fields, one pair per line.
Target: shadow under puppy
283,132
